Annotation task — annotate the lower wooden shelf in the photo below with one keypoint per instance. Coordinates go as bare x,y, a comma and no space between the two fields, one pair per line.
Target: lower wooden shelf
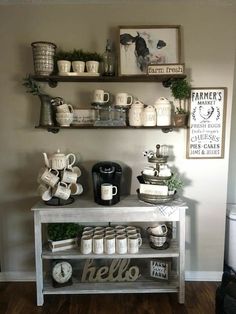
139,286
145,251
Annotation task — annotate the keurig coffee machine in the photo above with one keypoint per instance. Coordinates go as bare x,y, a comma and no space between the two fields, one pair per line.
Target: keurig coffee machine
106,182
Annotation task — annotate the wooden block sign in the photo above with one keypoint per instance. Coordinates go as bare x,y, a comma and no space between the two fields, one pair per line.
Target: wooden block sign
119,270
159,269
164,69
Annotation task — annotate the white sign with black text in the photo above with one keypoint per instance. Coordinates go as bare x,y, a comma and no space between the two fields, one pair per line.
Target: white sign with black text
207,123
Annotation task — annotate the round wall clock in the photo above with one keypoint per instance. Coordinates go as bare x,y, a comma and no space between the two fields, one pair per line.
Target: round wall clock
62,274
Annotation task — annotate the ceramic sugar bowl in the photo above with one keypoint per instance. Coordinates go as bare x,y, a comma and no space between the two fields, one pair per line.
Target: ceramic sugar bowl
149,116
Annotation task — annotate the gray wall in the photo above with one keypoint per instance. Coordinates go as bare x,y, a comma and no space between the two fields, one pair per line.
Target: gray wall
208,45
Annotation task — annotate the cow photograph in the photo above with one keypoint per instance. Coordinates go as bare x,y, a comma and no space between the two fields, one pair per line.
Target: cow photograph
141,46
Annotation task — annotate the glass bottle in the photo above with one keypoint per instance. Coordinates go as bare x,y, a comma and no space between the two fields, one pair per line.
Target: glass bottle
108,61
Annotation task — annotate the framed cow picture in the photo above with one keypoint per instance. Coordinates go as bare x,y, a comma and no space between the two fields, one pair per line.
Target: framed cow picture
140,46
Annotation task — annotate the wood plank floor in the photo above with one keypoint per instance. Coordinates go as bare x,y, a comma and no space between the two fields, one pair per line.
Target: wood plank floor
20,298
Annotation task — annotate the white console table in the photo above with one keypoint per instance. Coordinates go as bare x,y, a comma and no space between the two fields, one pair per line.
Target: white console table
128,210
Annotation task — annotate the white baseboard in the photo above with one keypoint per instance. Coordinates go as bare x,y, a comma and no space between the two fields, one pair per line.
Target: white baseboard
189,276
17,276
203,275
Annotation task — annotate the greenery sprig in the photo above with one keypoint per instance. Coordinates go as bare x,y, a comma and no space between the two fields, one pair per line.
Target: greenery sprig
174,183
31,86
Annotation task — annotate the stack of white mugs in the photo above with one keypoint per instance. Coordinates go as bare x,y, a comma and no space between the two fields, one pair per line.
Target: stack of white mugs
111,240
58,178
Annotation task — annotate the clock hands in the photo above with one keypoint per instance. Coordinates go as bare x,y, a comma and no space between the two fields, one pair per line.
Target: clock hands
62,271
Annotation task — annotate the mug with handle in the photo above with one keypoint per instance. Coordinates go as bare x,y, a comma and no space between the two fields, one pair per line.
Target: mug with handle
108,191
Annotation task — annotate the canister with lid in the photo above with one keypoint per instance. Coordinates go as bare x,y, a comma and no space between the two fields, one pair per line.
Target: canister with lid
149,116
136,114
163,110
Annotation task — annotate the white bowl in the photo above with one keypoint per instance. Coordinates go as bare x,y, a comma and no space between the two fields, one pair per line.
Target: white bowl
64,115
64,121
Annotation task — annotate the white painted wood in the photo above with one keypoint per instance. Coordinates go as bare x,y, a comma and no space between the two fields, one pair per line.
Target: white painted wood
181,260
38,259
144,252
128,210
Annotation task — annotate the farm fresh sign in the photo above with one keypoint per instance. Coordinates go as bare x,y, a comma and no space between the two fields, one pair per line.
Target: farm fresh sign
207,123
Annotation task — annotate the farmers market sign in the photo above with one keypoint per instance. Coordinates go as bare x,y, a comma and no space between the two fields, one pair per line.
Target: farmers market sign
207,123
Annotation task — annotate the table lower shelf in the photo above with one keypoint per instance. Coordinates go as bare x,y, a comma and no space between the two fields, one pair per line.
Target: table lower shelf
117,287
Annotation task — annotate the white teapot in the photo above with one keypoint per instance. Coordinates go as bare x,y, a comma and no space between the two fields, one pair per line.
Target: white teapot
59,161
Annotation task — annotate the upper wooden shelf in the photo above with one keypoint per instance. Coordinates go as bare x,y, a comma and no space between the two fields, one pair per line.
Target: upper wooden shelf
54,79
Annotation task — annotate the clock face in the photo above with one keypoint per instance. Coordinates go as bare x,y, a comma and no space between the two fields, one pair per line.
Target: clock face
62,272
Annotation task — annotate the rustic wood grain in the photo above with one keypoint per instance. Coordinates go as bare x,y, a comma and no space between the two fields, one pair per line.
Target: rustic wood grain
20,298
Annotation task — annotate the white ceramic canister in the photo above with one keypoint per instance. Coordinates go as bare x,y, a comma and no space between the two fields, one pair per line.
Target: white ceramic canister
149,116
163,110
136,114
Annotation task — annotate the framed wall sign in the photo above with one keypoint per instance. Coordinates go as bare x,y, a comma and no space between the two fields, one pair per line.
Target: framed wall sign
207,123
143,45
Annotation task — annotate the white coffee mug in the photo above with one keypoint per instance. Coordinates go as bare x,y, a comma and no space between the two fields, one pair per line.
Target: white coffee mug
63,66
109,244
98,246
100,96
134,242
121,244
87,233
45,192
78,66
49,177
88,228
62,191
92,66
64,108
160,229
99,228
76,188
69,176
123,99
86,244
108,191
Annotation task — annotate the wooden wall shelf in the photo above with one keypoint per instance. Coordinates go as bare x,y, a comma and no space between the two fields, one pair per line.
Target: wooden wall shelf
56,129
54,79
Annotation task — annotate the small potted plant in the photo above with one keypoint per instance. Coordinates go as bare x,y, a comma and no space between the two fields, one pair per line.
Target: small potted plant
181,90
174,183
63,236
62,61
78,58
92,62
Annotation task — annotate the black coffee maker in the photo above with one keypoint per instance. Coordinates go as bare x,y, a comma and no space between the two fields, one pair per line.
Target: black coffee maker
106,172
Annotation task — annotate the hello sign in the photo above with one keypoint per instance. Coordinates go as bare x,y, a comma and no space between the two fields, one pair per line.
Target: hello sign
119,270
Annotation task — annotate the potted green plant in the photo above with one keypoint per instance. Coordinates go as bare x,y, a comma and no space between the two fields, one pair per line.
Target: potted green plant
174,183
46,110
181,90
92,62
63,236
